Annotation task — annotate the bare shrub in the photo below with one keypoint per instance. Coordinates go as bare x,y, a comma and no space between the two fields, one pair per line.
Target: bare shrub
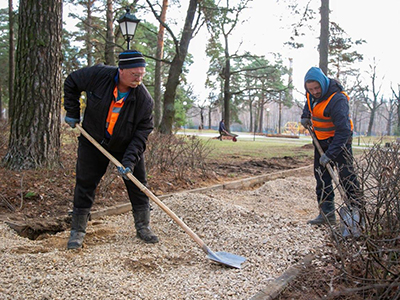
371,262
176,154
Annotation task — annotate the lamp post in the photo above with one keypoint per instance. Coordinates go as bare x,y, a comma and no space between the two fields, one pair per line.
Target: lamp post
268,119
128,24
184,121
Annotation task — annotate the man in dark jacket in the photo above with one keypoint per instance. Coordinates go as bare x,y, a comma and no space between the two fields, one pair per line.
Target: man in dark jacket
327,111
118,115
221,129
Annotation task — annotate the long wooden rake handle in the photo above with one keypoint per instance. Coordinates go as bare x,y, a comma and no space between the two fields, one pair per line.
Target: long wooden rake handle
145,190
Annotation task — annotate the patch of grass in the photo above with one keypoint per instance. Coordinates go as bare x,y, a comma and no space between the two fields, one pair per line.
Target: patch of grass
373,140
259,149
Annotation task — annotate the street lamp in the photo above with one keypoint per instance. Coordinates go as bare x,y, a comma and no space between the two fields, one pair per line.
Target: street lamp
128,24
184,121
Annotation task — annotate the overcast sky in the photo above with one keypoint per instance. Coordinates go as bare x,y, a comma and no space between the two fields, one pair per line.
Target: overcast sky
266,31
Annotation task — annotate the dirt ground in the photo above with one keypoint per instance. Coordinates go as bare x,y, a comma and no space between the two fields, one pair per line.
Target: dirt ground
40,200
36,203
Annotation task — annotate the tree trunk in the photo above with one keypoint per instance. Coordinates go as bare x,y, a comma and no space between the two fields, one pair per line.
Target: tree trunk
35,120
175,71
209,116
250,111
202,109
11,63
398,119
261,114
159,57
389,121
227,86
280,114
324,37
88,27
371,123
1,101
397,100
110,39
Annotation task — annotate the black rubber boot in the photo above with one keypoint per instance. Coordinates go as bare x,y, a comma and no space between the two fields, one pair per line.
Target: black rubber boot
142,225
323,219
326,215
80,217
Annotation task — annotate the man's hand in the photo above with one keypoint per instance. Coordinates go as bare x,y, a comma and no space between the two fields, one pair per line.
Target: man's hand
306,122
324,160
71,121
123,171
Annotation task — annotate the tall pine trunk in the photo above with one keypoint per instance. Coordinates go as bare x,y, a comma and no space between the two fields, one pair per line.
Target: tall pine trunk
110,39
11,64
227,86
324,37
175,71
159,57
89,29
35,120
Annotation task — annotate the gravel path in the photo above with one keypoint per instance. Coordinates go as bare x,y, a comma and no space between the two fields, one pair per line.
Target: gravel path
266,225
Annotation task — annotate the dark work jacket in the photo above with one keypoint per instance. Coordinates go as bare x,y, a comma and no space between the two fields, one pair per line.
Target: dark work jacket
338,110
135,121
221,127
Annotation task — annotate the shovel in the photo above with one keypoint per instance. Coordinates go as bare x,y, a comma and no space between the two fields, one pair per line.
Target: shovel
349,218
224,258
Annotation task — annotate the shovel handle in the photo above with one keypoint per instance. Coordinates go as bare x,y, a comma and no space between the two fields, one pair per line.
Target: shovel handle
145,190
328,166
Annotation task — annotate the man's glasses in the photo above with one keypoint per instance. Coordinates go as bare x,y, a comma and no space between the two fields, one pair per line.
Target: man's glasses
138,75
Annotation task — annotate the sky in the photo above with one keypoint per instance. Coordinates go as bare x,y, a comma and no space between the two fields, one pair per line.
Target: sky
267,28
266,31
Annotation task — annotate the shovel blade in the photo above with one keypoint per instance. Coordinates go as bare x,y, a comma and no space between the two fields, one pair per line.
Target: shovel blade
227,259
350,222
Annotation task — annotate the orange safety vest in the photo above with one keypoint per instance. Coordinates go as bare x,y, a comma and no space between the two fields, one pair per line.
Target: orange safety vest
113,112
323,126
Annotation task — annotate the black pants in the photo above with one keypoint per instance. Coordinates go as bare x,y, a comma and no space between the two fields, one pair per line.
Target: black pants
347,178
90,168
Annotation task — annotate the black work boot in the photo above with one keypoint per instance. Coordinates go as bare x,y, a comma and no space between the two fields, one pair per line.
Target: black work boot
142,225
326,214
80,217
323,219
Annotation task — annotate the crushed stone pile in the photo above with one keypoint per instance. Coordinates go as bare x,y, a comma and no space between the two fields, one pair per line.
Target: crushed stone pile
266,225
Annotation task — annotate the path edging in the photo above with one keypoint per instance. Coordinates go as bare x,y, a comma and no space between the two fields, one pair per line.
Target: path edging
274,288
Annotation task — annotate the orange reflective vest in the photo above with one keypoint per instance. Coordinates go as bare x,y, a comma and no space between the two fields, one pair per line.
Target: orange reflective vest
113,112
323,126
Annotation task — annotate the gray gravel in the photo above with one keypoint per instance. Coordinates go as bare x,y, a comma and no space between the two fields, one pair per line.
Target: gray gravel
266,225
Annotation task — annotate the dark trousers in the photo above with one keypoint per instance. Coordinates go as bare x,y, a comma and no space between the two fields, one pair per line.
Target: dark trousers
347,178
90,168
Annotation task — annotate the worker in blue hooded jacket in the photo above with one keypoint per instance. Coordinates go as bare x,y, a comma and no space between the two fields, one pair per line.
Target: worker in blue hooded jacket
327,113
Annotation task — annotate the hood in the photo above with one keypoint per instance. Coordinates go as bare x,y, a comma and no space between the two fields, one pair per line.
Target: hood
316,74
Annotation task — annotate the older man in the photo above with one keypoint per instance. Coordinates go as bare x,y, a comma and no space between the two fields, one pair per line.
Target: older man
118,115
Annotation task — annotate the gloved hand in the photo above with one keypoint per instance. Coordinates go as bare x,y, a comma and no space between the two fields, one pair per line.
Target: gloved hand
71,121
306,122
123,171
324,160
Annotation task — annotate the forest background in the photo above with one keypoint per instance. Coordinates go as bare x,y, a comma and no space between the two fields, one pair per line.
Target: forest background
275,20
242,60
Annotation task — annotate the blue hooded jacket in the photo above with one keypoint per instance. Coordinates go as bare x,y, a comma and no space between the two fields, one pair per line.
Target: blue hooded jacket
316,74
338,110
